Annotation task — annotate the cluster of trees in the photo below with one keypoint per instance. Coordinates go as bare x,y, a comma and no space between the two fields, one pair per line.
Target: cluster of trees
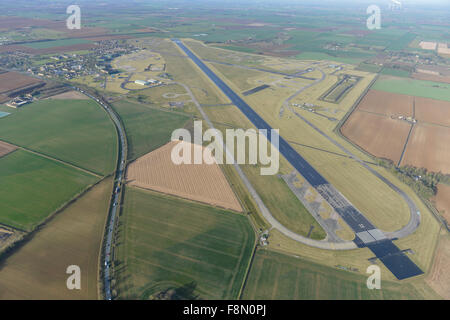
421,180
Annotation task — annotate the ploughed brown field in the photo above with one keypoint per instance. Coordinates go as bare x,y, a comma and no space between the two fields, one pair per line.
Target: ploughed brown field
6,148
442,200
377,134
375,126
433,111
386,103
199,182
12,80
429,147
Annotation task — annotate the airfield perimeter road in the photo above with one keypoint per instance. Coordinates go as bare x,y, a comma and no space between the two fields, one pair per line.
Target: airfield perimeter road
262,207
116,195
414,220
367,235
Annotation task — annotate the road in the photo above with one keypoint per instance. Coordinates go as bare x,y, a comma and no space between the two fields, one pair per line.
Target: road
367,235
414,220
115,199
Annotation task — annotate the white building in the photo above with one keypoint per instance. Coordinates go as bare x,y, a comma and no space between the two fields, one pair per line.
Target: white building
141,82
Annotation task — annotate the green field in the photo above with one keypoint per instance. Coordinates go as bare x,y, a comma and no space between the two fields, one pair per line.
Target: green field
55,43
33,186
76,131
36,270
147,128
165,242
278,276
418,88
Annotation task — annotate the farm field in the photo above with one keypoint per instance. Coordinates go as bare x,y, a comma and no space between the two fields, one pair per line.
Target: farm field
429,147
430,77
433,111
379,135
33,187
375,127
168,243
70,95
147,128
387,103
395,72
279,276
418,88
442,200
372,196
76,131
10,81
200,182
6,148
37,270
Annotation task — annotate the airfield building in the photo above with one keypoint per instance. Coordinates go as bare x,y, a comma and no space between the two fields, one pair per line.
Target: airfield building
141,82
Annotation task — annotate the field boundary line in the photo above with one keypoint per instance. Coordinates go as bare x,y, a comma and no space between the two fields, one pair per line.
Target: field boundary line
249,267
15,246
337,131
43,155
237,266
409,133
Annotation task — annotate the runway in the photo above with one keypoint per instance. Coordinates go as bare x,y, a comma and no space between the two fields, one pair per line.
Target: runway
367,235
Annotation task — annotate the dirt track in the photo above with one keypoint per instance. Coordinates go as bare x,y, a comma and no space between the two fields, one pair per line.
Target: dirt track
439,278
433,111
